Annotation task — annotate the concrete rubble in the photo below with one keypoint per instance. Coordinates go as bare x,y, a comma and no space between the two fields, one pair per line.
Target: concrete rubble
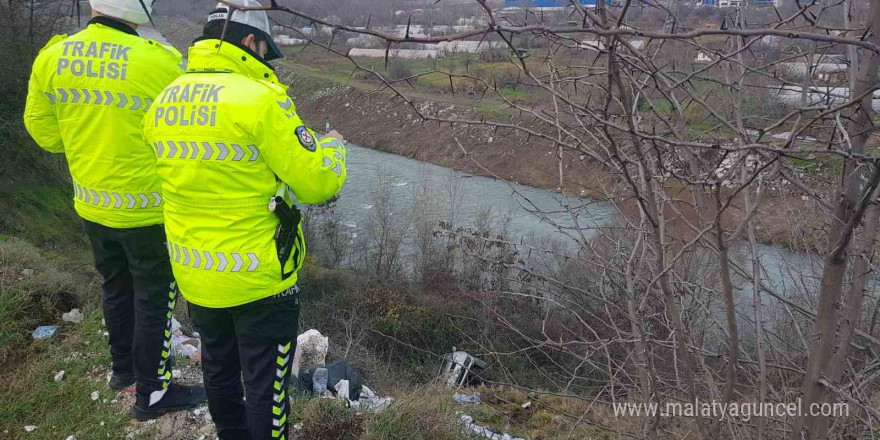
311,349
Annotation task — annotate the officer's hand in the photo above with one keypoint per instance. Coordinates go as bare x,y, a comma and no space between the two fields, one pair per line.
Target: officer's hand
334,134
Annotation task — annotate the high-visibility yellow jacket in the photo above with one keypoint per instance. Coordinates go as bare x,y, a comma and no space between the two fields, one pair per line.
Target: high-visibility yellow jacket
225,134
86,98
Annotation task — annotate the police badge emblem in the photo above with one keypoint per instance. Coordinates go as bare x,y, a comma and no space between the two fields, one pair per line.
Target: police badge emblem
305,138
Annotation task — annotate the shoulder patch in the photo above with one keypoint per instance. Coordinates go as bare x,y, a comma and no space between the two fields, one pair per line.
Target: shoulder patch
305,138
54,40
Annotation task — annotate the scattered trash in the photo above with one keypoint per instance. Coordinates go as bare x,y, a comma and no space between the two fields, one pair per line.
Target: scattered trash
186,346
527,405
71,437
342,390
27,273
114,402
457,367
30,428
370,402
320,377
312,379
483,431
45,332
59,376
95,395
311,349
105,401
176,374
297,427
467,399
74,316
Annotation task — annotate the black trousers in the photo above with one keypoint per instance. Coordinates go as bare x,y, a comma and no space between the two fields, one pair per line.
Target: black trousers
139,296
256,341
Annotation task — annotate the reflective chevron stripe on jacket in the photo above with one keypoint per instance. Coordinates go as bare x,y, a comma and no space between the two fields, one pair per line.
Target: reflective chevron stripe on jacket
99,97
205,151
117,199
217,261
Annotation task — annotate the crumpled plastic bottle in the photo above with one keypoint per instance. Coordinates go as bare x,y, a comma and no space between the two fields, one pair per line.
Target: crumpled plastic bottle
319,380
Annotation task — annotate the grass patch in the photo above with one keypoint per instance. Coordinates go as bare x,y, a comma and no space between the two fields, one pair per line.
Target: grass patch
29,394
495,112
43,214
35,291
427,414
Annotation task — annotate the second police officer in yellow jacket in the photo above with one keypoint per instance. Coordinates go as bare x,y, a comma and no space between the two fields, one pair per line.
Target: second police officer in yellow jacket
87,95
233,155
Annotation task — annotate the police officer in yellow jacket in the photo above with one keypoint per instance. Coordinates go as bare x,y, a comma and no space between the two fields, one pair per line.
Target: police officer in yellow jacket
87,95
233,155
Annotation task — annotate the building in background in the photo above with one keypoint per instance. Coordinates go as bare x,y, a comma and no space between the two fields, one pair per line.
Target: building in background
735,3
545,4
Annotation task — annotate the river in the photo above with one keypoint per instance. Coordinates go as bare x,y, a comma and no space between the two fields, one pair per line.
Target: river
787,273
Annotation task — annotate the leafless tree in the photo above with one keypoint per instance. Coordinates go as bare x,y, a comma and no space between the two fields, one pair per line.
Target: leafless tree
707,145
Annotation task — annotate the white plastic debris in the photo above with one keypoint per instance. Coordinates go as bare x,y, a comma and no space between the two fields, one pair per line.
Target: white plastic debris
30,428
186,346
27,273
342,389
71,437
527,405
95,395
59,376
467,399
482,431
74,316
370,402
176,374
311,349
45,332
457,367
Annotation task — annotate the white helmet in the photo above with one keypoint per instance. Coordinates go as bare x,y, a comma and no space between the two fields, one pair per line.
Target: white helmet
129,10
258,20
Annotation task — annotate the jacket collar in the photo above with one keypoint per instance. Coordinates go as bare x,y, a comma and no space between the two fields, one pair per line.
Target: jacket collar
113,23
209,55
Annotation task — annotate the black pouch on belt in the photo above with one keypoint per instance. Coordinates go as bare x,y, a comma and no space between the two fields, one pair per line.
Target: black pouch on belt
287,232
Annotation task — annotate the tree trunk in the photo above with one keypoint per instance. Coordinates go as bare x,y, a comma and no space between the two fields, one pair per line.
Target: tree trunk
849,190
